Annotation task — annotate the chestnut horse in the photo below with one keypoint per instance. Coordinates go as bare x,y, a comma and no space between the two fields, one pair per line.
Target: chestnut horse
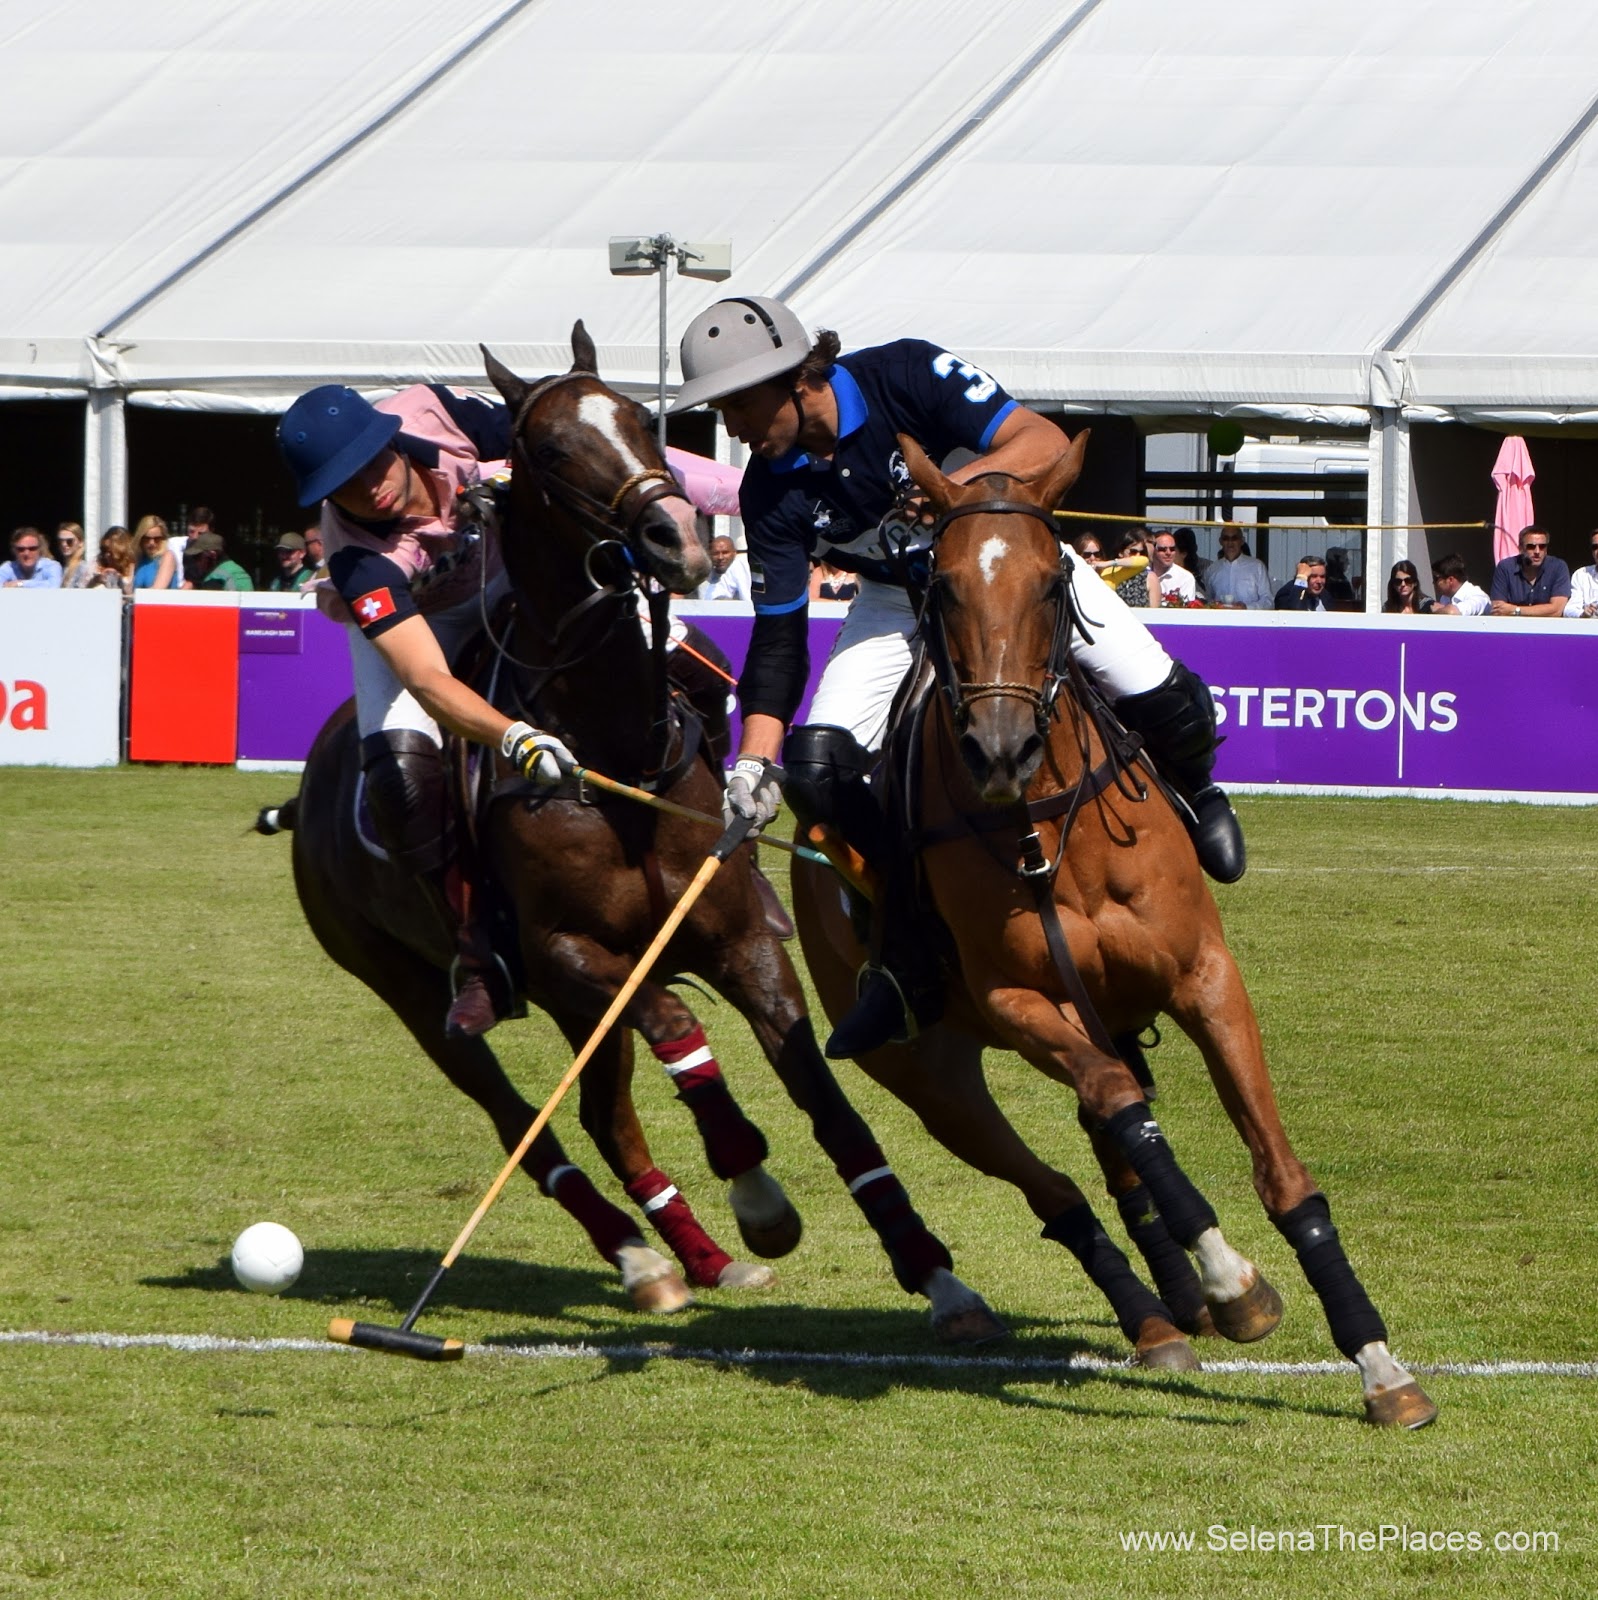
586,878
1078,910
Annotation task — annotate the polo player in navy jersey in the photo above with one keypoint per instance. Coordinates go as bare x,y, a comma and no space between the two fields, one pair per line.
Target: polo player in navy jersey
828,481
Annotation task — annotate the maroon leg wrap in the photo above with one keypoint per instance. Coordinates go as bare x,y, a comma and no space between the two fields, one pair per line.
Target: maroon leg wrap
915,1252
608,1226
733,1144
702,1258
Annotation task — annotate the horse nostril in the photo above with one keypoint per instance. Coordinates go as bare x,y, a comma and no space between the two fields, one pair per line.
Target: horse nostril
1028,755
974,756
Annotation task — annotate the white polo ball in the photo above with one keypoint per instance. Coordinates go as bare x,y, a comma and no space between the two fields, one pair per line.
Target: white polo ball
267,1258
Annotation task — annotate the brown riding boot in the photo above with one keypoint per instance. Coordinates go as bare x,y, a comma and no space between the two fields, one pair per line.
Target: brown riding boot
484,994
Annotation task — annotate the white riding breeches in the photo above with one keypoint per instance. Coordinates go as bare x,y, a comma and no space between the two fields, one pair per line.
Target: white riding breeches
381,700
872,652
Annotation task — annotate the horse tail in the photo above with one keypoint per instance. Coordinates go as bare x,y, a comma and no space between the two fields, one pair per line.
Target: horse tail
278,819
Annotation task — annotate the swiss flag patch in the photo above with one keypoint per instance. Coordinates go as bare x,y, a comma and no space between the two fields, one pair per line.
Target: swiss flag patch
373,607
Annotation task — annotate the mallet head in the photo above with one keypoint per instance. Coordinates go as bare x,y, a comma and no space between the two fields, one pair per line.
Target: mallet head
373,1336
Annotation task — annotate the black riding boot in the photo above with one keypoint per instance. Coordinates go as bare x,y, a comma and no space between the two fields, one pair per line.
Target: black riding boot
901,988
1177,722
405,788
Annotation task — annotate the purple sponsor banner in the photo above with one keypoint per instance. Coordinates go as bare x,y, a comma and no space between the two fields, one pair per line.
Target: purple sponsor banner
269,633
1445,704
1440,705
285,695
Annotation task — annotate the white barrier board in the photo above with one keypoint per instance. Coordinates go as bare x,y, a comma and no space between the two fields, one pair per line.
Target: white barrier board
60,677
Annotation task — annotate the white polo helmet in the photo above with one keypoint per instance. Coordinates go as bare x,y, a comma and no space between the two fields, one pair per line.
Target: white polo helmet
737,343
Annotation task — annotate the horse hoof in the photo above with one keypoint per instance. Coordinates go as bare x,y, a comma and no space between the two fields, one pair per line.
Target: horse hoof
1169,1355
767,1222
1251,1316
972,1326
652,1283
745,1275
1405,1406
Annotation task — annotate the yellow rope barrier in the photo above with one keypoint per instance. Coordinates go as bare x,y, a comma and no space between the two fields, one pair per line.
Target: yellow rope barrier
1200,522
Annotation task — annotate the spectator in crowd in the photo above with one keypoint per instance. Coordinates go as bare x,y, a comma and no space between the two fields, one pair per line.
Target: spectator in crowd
1583,601
115,557
313,546
29,567
1307,591
1457,596
76,571
1091,549
293,571
1134,542
729,572
206,565
1404,596
1187,556
1340,592
157,565
1236,578
1168,583
828,582
1532,584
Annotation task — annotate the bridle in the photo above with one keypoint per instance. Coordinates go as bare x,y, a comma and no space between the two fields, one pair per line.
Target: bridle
962,694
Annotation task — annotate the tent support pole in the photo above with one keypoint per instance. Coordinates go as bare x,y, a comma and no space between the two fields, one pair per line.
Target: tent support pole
105,464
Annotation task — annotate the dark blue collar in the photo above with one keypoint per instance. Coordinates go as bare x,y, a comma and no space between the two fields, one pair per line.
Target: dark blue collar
852,413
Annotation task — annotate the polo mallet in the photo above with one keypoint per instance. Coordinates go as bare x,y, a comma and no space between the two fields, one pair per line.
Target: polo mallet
403,1341
672,809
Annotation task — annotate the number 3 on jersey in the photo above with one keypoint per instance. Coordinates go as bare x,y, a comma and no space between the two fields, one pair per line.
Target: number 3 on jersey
982,386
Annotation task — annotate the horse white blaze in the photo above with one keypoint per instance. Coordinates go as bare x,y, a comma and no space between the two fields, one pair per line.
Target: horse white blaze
598,411
1222,1271
994,549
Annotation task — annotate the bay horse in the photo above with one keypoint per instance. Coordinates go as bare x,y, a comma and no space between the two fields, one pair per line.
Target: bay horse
586,878
1079,913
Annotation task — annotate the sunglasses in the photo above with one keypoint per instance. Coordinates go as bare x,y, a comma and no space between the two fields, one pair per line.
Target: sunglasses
1535,546
1405,583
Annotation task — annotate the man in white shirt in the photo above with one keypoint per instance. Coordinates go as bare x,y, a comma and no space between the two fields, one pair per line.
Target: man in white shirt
1583,601
1168,583
1238,579
729,572
1457,596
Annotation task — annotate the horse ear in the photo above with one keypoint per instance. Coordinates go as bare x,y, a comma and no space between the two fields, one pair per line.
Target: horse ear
506,381
583,356
1066,470
928,479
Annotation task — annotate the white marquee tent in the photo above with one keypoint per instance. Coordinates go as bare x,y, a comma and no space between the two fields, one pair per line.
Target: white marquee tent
1254,206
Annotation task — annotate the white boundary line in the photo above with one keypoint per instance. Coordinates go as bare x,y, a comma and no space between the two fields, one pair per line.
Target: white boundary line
208,1343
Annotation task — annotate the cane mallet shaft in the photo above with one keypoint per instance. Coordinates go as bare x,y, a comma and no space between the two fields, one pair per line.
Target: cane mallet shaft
672,809
402,1341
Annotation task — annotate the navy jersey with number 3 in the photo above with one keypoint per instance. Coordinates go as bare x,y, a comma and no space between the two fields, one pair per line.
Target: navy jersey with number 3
797,507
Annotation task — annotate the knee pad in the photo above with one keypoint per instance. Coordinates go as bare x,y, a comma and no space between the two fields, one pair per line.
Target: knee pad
826,770
405,790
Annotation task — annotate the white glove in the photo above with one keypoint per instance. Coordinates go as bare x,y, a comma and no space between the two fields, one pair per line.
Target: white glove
754,792
538,756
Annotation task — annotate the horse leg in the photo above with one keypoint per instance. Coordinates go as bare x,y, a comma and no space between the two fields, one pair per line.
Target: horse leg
418,994
1175,1281
1212,1006
1243,1304
591,977
940,1078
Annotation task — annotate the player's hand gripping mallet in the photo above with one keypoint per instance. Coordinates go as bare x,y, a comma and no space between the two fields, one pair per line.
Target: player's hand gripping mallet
403,1340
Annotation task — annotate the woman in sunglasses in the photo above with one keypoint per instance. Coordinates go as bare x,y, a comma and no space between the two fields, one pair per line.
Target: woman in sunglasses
1403,592
157,566
76,572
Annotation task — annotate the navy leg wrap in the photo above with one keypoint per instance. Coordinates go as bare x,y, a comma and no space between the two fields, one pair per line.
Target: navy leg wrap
1078,1230
1174,1278
1187,1213
1354,1320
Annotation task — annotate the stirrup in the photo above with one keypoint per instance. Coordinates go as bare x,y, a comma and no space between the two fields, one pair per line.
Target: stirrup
482,996
881,1015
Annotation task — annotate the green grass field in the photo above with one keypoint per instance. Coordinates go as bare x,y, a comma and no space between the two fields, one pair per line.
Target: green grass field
178,1060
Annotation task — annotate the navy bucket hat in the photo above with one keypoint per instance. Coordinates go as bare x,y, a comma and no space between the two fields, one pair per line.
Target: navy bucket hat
328,435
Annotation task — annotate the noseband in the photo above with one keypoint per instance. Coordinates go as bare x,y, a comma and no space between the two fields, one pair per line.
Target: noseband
962,695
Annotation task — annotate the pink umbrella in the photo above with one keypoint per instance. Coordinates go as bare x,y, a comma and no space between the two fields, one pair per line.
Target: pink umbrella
712,486
1513,475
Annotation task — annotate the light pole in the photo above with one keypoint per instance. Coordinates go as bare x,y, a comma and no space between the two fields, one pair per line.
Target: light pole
634,257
